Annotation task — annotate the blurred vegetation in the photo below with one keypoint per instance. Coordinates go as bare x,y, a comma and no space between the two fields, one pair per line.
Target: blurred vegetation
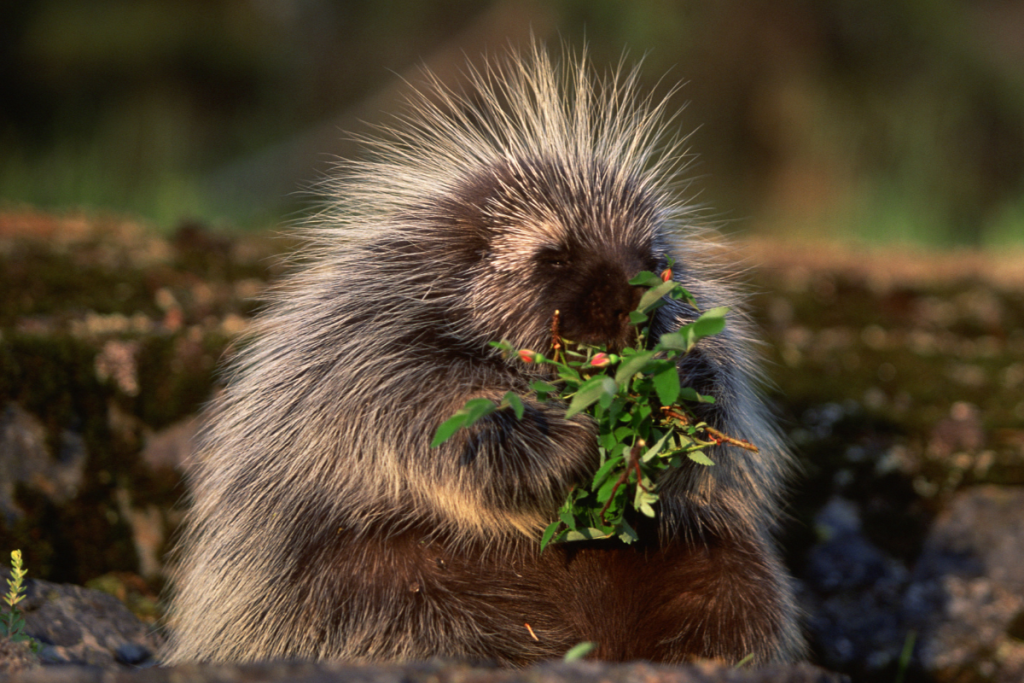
874,120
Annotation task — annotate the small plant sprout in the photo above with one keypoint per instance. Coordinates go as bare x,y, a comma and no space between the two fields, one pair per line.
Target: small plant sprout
745,661
579,651
12,623
644,416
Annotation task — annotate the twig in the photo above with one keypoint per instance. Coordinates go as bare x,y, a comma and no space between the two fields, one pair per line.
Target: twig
725,438
633,464
556,338
716,436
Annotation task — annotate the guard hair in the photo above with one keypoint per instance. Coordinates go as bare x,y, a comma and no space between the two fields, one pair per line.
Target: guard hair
322,525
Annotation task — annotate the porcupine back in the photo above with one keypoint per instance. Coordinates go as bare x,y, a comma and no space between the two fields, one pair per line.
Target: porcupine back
317,450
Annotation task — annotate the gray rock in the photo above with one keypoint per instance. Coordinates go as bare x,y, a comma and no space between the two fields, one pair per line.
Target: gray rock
76,625
967,591
845,559
133,654
964,599
440,672
15,657
851,586
90,637
25,458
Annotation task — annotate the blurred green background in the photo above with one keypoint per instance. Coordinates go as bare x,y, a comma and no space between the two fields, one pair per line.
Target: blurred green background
877,121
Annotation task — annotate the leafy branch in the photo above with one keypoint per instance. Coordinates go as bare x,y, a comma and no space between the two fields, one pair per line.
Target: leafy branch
645,422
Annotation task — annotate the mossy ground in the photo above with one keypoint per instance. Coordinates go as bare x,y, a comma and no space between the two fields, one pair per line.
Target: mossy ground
898,378
110,334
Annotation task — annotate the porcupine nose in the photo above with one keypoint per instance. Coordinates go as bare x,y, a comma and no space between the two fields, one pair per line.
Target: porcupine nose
629,299
608,304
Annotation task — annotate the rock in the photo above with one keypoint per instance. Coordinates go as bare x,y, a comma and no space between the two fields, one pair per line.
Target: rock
963,601
15,657
850,588
846,560
967,591
25,458
132,654
76,625
170,448
443,672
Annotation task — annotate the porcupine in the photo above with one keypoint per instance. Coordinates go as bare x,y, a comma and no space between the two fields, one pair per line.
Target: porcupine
322,525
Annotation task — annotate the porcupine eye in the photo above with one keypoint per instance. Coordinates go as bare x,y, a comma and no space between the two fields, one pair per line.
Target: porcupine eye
554,258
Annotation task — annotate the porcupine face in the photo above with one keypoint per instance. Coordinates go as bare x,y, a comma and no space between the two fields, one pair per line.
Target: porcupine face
568,238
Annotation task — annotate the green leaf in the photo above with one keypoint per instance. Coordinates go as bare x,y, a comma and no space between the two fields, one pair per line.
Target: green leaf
447,428
568,519
505,346
637,318
645,498
605,492
653,296
473,410
512,399
699,458
614,411
618,449
606,441
645,278
590,392
710,322
477,408
688,394
743,662
543,389
623,433
604,471
684,294
586,534
627,534
666,383
569,374
676,341
632,365
656,448
579,651
549,534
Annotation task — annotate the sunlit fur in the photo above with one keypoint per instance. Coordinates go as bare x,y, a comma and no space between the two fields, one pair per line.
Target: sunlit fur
321,523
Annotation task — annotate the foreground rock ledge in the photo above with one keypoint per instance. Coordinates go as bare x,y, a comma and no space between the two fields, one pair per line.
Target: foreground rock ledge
438,672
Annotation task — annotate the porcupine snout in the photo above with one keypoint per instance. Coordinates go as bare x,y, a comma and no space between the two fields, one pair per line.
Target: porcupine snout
600,314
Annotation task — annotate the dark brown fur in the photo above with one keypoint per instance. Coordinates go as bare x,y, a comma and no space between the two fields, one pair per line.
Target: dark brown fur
635,602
